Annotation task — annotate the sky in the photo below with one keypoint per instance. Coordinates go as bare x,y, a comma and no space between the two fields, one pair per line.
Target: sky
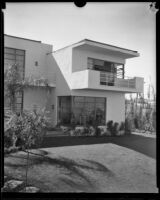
127,25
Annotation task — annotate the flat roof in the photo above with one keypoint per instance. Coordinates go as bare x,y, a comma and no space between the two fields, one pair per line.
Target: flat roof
100,43
108,45
23,38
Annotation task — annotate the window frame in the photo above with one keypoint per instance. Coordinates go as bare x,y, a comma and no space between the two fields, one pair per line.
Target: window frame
23,67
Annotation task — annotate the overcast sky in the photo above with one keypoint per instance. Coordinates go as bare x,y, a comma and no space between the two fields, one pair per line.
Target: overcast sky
127,25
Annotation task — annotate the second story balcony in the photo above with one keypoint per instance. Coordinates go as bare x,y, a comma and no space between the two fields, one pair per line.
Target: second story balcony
98,80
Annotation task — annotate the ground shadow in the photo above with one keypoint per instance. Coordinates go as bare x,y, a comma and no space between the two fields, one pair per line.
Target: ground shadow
141,144
71,168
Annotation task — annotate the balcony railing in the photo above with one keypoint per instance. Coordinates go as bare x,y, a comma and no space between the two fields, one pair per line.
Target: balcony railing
110,79
93,79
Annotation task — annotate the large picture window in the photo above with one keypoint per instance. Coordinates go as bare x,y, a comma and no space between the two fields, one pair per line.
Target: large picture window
11,57
83,110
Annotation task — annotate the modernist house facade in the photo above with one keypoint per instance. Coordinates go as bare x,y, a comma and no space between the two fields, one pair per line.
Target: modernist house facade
87,79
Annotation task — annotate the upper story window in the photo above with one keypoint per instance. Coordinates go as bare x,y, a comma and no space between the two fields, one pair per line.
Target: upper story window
101,65
106,66
11,57
14,56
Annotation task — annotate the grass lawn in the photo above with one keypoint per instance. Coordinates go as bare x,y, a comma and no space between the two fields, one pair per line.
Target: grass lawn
107,167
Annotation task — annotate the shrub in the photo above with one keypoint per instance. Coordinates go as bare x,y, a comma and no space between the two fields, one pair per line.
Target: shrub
26,130
110,126
115,129
136,124
122,126
154,120
92,131
8,141
127,126
97,132
103,130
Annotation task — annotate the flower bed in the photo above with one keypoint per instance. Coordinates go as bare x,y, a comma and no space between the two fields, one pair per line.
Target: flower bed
110,129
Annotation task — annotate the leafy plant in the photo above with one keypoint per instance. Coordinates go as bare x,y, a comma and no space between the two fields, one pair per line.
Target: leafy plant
110,126
127,126
97,132
12,84
28,128
122,126
115,128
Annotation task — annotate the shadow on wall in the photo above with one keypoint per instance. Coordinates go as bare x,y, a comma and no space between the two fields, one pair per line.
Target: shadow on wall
62,87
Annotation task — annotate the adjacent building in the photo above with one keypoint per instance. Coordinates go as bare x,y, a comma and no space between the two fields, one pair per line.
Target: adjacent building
86,80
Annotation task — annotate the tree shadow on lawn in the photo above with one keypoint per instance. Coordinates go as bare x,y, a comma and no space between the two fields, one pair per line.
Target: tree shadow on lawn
141,144
74,176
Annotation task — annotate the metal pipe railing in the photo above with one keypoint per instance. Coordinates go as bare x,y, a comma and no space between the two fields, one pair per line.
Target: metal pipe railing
111,79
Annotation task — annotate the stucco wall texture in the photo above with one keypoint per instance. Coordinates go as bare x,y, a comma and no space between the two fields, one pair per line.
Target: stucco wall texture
60,67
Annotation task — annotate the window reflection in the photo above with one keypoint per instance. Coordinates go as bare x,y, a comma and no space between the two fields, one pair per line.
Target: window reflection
82,110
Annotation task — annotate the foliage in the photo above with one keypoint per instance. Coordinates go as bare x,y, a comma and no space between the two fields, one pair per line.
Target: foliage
115,129
12,84
140,113
111,129
110,126
28,128
154,119
98,132
128,126
122,126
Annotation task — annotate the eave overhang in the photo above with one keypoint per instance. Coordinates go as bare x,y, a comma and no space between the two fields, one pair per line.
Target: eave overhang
103,48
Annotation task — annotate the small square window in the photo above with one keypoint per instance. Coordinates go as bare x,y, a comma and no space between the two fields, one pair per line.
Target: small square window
36,63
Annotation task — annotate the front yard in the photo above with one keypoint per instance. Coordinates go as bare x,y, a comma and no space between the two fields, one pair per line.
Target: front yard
107,167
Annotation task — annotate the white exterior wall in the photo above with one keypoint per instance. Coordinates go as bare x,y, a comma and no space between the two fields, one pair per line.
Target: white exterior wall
62,88
79,60
34,51
34,96
63,59
38,96
63,63
66,61
115,103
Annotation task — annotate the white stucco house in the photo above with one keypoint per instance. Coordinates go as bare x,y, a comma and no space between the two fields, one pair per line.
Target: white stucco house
87,79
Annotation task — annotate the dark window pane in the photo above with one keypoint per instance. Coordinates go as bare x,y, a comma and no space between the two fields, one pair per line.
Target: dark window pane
98,99
9,62
20,52
79,99
9,56
21,58
9,50
89,99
